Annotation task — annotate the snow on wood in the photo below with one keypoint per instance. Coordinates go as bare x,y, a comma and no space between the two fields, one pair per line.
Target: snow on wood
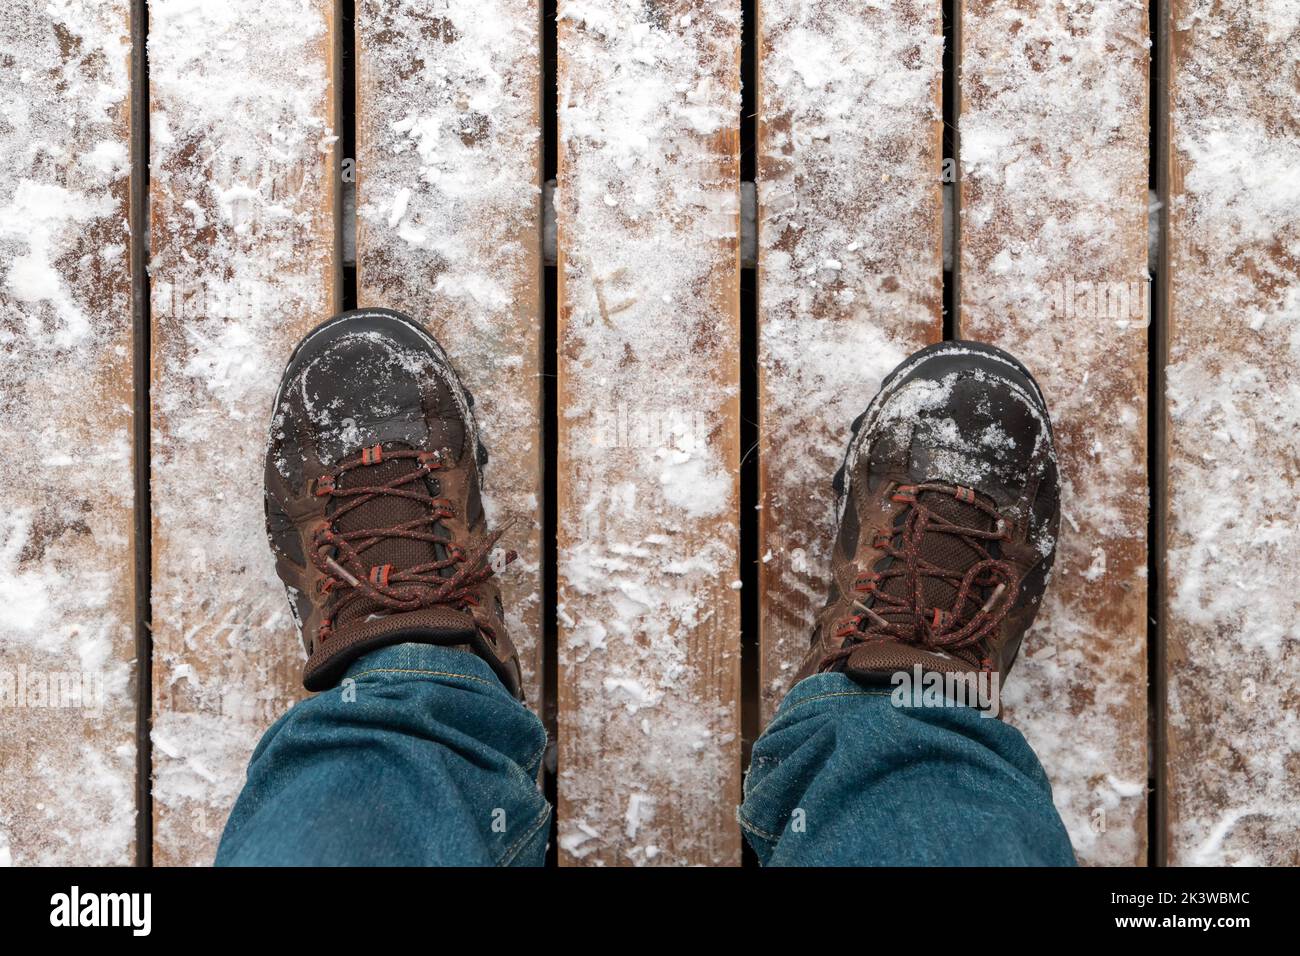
1053,199
1234,414
449,232
647,204
243,263
67,699
850,272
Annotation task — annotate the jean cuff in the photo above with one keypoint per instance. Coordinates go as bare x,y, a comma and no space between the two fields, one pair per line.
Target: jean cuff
820,686
425,661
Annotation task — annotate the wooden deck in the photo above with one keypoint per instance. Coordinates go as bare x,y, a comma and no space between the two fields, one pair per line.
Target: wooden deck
1159,685
1053,236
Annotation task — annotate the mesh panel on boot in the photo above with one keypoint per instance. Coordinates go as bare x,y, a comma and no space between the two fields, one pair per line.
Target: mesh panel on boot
386,511
944,550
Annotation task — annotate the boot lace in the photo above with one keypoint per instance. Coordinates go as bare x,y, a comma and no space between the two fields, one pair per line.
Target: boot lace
399,589
900,614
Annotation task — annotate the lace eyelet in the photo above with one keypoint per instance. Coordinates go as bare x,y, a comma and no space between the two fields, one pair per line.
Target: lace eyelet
904,494
849,626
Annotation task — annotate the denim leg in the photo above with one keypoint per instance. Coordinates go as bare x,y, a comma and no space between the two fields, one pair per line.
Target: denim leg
842,777
419,757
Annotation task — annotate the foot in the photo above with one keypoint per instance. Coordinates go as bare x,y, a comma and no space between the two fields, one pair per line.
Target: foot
948,514
373,509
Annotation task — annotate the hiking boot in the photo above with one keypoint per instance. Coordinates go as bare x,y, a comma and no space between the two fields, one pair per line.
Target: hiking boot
373,508
947,520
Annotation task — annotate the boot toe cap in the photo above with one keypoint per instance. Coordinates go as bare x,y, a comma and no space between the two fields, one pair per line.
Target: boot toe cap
364,379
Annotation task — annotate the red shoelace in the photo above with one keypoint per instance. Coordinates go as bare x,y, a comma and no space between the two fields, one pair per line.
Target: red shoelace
905,618
399,589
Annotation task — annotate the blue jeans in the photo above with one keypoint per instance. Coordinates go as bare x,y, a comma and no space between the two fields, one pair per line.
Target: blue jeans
421,757
842,777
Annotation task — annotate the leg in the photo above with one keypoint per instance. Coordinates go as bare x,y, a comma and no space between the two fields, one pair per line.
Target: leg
948,512
420,757
844,777
417,749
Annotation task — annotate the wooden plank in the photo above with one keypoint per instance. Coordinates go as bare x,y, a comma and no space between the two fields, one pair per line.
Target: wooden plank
67,644
244,262
1053,196
1234,413
648,218
850,268
449,231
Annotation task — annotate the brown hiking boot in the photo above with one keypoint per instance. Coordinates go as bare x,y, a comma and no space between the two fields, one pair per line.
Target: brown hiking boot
948,514
373,508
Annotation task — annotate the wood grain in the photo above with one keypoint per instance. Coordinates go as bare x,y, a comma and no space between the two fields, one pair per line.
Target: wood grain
67,646
1053,265
449,232
850,268
244,262
647,207
1234,414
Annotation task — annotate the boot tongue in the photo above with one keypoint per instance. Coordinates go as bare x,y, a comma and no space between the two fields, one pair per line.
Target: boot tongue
942,550
386,511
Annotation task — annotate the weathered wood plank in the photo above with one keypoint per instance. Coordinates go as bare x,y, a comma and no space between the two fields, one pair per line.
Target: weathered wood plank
244,262
67,644
449,231
1234,415
1053,259
850,267
647,207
